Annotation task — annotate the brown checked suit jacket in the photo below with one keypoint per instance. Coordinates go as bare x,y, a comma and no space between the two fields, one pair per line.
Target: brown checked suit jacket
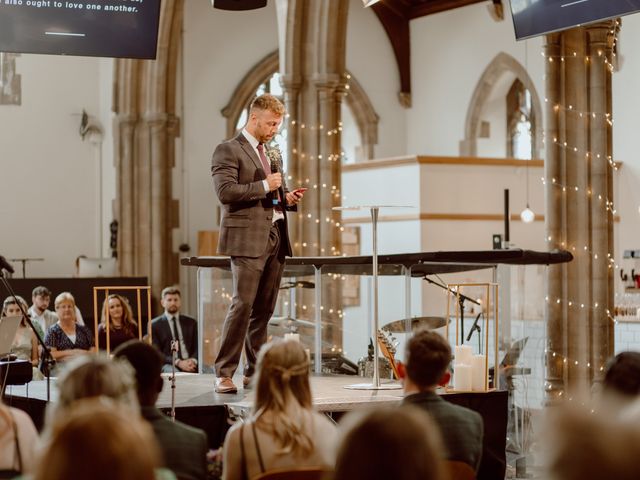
247,211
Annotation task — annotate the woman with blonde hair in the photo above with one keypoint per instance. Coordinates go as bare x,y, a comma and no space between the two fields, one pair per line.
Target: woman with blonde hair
122,326
66,338
284,432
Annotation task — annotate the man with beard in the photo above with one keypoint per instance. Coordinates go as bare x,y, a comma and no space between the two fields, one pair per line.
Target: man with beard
173,326
247,176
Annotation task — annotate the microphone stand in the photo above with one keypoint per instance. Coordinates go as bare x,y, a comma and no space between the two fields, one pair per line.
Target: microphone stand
47,360
174,357
461,300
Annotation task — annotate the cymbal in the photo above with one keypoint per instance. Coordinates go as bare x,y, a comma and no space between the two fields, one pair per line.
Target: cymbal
430,323
298,284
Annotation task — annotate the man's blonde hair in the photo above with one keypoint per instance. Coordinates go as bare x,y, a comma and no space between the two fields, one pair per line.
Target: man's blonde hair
268,102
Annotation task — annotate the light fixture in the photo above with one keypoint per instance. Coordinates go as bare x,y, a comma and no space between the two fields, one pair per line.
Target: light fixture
527,215
368,3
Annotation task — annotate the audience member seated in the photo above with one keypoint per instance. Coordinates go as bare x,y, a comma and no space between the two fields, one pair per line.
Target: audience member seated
25,344
428,356
90,376
172,325
582,445
96,376
19,440
621,384
399,444
40,316
284,431
67,339
99,440
184,448
122,325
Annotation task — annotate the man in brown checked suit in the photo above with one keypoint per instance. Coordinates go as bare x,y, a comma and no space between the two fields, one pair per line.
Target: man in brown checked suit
253,231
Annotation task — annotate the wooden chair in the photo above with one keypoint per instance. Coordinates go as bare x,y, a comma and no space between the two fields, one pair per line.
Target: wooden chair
459,470
308,473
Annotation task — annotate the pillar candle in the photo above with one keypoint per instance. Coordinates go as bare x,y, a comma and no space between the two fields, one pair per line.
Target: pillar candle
478,373
292,336
462,378
463,355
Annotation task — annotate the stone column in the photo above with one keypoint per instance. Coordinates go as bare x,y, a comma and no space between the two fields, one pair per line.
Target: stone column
555,313
579,294
146,128
600,38
313,72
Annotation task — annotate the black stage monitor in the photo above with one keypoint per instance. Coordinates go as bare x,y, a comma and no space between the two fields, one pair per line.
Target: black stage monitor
97,28
535,17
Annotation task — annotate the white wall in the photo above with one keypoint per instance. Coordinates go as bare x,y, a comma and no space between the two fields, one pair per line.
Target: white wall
626,141
371,60
47,200
450,51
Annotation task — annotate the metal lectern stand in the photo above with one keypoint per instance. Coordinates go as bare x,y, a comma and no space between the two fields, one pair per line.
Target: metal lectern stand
375,385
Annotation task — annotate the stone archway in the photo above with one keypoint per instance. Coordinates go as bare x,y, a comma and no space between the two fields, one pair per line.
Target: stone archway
501,65
356,99
145,129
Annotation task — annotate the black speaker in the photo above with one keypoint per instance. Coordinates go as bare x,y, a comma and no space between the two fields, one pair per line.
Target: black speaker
497,241
238,4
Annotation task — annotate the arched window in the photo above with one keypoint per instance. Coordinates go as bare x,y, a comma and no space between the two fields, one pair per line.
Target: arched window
505,83
359,119
520,122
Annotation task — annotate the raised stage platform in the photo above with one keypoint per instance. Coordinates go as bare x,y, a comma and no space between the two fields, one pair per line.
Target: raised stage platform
198,405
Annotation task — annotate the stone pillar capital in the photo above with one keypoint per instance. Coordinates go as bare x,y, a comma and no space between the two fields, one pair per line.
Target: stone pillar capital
290,82
329,81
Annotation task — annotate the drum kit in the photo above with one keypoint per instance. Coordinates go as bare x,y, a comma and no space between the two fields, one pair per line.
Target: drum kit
279,326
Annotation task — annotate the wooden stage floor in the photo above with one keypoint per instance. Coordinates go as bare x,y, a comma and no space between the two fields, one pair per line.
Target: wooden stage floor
196,390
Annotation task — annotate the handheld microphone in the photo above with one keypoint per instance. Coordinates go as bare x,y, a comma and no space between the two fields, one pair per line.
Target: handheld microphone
4,265
474,327
275,167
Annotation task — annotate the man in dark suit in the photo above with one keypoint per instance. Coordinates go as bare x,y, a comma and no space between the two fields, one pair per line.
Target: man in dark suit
253,232
428,357
173,326
184,448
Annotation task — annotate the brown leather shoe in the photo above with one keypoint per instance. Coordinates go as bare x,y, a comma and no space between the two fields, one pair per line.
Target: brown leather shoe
246,382
225,385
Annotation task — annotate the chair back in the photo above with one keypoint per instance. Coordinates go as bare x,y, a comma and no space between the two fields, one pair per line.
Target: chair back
310,473
459,470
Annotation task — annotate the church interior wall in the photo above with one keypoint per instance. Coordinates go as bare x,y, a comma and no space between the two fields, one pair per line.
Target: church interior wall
48,197
371,60
44,152
450,51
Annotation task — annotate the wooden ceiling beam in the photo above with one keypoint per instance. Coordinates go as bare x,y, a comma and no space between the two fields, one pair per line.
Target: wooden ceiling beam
394,19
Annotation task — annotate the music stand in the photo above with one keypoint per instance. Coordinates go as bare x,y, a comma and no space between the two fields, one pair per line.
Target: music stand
375,385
